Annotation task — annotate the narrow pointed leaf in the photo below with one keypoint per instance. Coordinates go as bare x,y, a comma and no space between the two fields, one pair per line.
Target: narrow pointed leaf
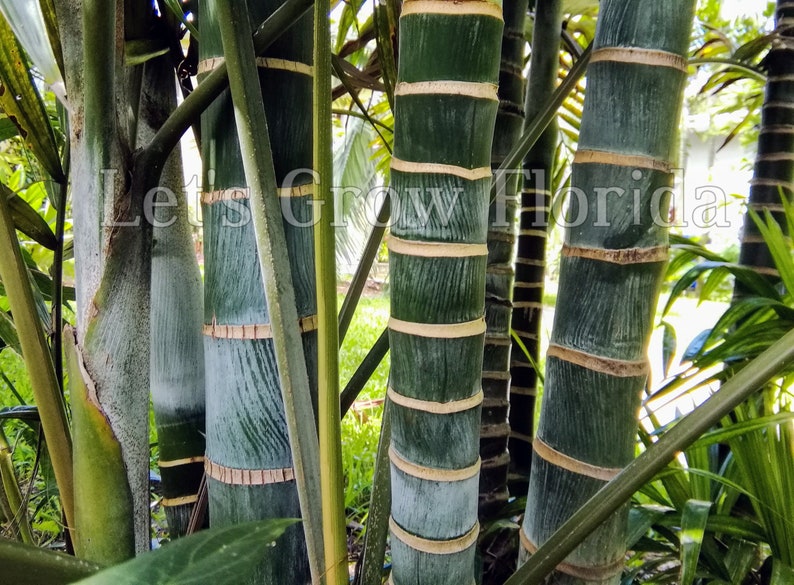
21,102
27,220
693,526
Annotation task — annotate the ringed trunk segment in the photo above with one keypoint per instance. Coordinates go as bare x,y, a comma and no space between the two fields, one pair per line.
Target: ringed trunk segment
773,175
530,263
248,461
596,365
445,110
494,429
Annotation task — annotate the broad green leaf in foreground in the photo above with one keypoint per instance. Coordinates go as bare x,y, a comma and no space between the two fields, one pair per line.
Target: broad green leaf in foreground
221,556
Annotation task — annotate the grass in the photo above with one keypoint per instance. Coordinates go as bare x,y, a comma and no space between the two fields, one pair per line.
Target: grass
361,426
34,474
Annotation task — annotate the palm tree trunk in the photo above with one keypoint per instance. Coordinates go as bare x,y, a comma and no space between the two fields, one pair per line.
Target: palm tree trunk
177,349
249,464
445,110
494,430
774,164
109,357
533,230
611,270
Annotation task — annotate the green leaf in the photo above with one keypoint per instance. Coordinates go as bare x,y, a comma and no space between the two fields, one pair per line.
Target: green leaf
21,102
51,24
723,435
353,167
782,574
386,23
139,51
27,220
779,246
693,527
31,565
739,560
176,8
221,556
7,128
8,332
348,18
669,344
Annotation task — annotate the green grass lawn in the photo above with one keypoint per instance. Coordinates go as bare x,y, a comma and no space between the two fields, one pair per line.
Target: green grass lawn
361,426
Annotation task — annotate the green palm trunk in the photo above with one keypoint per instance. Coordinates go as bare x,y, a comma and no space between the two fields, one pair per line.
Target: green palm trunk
596,365
774,163
494,430
177,349
531,250
249,464
445,110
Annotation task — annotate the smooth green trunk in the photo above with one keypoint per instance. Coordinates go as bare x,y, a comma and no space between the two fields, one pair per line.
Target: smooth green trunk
611,270
773,175
177,350
531,250
250,474
494,429
445,110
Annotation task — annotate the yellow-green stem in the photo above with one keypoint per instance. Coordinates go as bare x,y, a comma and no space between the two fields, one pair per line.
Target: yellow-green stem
43,382
330,433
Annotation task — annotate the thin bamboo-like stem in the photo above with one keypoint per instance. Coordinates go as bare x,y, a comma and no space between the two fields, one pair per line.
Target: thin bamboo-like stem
533,230
57,277
374,552
364,372
46,390
537,126
494,428
274,265
328,412
642,469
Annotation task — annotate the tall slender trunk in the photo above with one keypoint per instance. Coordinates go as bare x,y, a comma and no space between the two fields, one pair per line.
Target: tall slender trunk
773,176
249,464
445,110
177,350
532,234
494,430
611,269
